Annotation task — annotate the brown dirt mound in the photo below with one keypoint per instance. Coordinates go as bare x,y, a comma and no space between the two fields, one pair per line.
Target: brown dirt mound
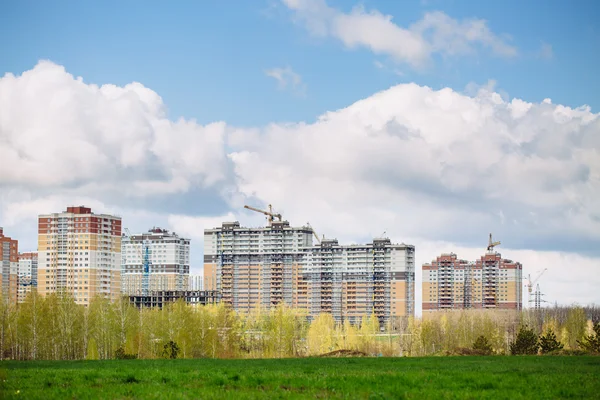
344,353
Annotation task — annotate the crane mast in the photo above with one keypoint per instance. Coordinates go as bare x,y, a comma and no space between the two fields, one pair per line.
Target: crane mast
492,244
270,214
144,254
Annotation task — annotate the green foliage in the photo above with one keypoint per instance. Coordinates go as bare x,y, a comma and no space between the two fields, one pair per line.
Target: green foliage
349,378
53,327
591,343
170,350
549,344
483,346
526,342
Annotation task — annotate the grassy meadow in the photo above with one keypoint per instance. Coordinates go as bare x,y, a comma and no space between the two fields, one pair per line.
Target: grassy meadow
496,377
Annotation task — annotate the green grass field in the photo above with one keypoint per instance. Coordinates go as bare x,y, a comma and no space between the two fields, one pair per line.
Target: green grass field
362,378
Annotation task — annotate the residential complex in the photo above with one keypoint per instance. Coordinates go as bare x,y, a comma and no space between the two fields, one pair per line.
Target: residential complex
9,256
169,261
79,252
262,267
490,282
27,274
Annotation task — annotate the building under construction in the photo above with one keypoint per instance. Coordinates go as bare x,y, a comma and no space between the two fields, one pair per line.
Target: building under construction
162,297
168,262
490,282
263,267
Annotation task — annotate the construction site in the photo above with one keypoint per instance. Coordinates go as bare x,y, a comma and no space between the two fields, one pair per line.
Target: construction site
266,266
491,282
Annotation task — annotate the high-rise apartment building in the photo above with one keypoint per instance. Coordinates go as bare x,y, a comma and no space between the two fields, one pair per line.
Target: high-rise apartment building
254,267
9,256
169,261
27,274
356,280
79,252
262,267
490,282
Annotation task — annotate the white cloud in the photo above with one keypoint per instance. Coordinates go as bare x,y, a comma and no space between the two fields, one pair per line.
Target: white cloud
287,79
427,166
436,32
57,130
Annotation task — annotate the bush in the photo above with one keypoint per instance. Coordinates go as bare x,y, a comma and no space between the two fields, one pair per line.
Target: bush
483,345
591,343
170,350
121,355
549,344
526,342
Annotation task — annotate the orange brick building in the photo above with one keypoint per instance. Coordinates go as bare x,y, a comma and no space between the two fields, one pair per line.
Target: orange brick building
490,282
79,252
9,260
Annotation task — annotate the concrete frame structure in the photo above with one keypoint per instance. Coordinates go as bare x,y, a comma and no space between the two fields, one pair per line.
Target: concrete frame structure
169,262
79,252
262,267
27,273
9,260
491,282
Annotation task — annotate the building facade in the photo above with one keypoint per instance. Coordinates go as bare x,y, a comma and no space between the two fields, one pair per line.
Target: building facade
169,261
262,267
79,252
196,282
9,258
491,282
27,274
357,280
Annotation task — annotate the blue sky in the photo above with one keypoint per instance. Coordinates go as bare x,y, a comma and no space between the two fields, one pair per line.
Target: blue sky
440,169
207,58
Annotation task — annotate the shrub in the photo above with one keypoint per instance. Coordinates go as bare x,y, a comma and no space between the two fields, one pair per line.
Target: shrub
526,342
591,343
549,344
170,350
483,346
121,355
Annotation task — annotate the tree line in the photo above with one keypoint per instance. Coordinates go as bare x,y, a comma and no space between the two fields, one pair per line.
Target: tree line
54,327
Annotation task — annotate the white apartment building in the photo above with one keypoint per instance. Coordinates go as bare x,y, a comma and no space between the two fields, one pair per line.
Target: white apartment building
169,257
27,274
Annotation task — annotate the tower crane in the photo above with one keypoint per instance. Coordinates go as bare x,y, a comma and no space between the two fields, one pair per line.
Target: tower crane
270,214
531,282
144,254
492,244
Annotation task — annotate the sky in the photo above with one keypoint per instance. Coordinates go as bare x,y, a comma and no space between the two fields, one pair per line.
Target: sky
436,122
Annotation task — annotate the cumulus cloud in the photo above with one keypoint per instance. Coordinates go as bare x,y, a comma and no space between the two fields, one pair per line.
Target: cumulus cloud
435,33
287,79
58,131
436,168
428,162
